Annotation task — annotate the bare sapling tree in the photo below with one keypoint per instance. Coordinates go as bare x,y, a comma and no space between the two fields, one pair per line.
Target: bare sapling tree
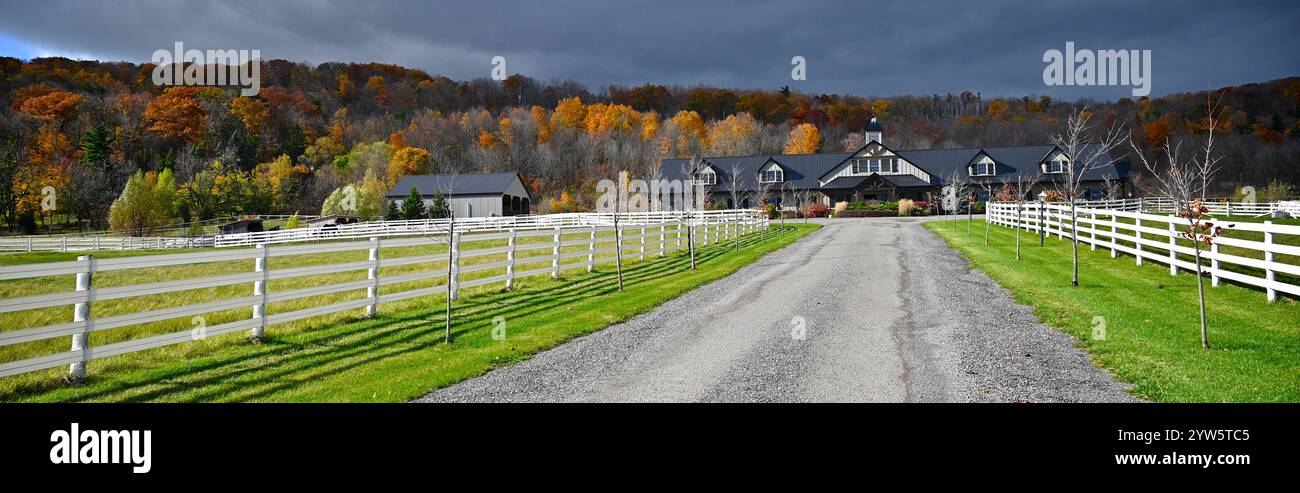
446,187
620,192
1024,186
689,170
954,192
987,186
1083,156
1185,180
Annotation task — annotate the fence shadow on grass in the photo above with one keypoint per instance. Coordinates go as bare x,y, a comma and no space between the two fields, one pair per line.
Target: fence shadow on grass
241,371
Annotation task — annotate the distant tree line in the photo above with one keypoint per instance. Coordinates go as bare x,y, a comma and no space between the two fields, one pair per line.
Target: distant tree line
99,133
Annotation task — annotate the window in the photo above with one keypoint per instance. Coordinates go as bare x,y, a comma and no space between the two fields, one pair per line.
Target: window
708,177
1056,166
875,165
773,175
985,169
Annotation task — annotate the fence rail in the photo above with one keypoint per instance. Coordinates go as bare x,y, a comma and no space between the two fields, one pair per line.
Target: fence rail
1155,237
1219,206
75,243
638,235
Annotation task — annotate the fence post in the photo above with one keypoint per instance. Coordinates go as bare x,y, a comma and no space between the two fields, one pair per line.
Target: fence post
1229,204
1137,233
81,313
1268,259
259,289
372,274
663,239
1114,231
453,284
642,257
591,249
1214,264
555,254
510,260
679,236
1173,256
1092,226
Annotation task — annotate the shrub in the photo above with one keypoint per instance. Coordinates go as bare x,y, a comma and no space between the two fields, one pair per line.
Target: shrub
905,207
816,210
840,207
771,211
1275,191
1053,196
865,213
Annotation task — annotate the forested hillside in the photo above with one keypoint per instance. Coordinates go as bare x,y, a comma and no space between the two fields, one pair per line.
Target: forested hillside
99,131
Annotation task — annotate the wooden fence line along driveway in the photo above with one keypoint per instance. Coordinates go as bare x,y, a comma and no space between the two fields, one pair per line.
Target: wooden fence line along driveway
475,257
364,230
1155,237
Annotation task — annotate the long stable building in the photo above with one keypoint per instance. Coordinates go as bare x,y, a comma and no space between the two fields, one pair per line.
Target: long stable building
877,172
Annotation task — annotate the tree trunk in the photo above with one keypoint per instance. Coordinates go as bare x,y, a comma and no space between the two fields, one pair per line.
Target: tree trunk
1200,293
1074,237
1018,207
451,239
618,251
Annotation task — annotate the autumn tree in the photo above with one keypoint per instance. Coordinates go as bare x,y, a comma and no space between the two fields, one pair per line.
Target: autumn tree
54,106
177,114
408,161
804,139
252,112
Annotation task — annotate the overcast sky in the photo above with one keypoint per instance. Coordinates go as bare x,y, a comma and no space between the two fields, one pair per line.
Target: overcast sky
852,47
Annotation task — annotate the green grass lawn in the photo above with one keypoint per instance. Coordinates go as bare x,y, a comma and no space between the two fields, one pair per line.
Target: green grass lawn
1152,334
399,354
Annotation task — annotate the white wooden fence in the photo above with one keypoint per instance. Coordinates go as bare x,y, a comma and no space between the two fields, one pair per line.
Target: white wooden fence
1155,237
650,234
362,230
1219,206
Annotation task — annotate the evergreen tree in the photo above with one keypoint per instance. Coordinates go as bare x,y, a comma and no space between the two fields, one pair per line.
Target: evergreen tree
413,206
438,209
392,214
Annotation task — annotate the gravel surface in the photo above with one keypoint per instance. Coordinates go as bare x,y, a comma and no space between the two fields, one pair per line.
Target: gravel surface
888,312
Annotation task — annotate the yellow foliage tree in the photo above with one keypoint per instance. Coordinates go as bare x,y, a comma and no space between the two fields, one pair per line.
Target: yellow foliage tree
538,114
804,139
570,113
408,161
252,112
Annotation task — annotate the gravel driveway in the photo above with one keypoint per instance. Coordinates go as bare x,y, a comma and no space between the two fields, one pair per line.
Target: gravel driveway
888,314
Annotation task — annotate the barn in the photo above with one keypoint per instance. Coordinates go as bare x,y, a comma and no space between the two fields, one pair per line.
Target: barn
469,194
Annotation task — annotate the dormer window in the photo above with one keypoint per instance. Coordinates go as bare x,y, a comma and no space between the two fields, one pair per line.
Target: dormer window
773,175
987,168
1056,166
707,177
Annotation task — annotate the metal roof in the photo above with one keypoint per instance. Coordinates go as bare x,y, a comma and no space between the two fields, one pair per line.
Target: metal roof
456,185
802,170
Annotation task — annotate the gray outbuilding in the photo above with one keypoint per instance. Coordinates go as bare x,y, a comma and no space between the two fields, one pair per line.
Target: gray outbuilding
469,194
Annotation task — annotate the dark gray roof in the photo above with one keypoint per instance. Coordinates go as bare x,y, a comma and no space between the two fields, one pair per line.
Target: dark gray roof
454,185
801,170
874,126
844,183
905,181
941,163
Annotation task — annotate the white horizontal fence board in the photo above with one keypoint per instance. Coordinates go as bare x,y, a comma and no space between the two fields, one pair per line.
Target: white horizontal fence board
1154,243
642,234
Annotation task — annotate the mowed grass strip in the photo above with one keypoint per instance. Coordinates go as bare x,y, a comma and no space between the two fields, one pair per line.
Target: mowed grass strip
1152,324
400,354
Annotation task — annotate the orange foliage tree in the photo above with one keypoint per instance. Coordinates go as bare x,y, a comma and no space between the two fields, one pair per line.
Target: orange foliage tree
177,114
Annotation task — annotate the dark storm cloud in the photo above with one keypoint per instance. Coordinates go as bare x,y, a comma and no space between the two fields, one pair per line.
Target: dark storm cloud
864,48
